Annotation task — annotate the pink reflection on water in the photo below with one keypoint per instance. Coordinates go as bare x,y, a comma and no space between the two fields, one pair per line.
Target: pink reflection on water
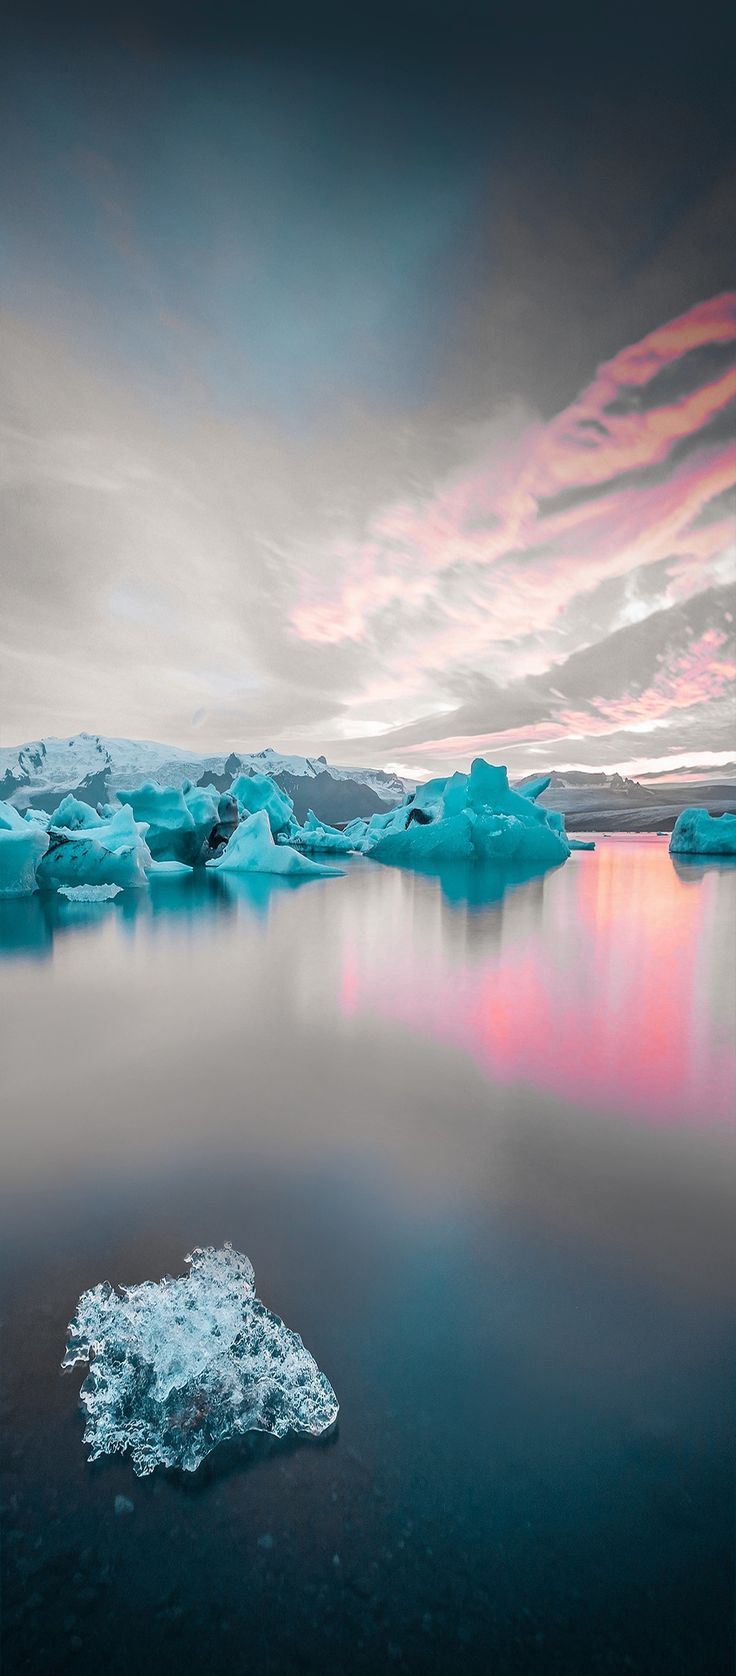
608,984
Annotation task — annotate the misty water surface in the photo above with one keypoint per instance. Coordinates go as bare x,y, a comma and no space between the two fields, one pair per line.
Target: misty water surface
475,1134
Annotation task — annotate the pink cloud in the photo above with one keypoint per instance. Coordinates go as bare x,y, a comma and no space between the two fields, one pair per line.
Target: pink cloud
573,506
698,675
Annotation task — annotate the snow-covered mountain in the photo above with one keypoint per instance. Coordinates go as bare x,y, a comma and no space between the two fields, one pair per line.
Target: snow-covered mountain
95,767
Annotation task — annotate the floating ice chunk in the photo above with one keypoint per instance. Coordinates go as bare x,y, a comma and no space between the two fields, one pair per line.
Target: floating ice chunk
556,820
252,850
697,833
253,792
39,817
173,832
316,836
89,893
203,805
167,869
356,831
177,1367
22,844
535,788
439,797
74,815
502,837
380,826
449,839
228,816
112,853
470,817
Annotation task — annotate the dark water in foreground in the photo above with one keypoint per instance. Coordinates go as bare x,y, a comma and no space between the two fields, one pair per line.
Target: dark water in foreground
477,1142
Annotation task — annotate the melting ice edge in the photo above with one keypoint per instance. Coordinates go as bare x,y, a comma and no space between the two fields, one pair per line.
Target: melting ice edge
179,1365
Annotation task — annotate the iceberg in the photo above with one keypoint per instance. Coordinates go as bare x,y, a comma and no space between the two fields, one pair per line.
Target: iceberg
534,788
39,817
697,833
75,816
89,893
176,1367
22,845
470,817
366,834
228,816
113,852
176,832
168,870
355,831
315,835
203,803
252,850
253,792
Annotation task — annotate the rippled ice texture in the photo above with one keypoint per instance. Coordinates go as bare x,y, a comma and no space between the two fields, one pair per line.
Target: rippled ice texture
179,1365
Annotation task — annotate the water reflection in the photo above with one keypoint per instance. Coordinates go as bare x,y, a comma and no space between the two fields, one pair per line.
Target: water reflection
29,925
409,1099
692,868
607,983
466,885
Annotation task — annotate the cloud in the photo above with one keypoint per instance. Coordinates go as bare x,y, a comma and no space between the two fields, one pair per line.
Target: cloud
561,569
539,595
576,490
661,672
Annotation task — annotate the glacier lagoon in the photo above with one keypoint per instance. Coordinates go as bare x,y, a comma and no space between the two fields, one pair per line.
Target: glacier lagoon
475,1132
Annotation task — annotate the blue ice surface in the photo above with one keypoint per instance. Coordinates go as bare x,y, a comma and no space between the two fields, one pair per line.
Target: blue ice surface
177,1366
22,844
470,817
253,792
179,819
252,850
111,852
160,832
318,837
697,833
89,893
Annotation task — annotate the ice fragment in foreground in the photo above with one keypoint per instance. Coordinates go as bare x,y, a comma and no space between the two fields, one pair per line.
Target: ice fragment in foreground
179,1365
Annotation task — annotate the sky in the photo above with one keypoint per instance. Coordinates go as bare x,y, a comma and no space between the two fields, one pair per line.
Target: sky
369,381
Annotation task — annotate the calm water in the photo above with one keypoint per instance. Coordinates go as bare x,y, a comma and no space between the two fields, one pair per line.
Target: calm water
476,1137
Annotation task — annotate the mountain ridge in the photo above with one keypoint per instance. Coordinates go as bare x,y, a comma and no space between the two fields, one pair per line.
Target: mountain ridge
95,766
